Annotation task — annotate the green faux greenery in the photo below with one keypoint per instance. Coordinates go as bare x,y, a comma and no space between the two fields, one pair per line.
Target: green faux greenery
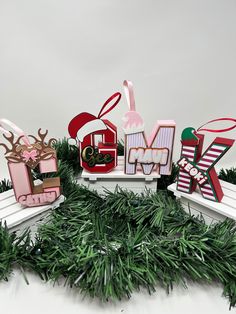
68,153
120,148
165,181
5,185
7,253
108,246
228,175
12,251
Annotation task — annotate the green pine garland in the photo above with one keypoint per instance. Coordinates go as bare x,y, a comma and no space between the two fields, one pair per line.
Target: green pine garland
5,185
111,245
228,175
68,153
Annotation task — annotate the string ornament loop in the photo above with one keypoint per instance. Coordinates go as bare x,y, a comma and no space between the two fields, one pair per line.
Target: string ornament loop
116,96
201,128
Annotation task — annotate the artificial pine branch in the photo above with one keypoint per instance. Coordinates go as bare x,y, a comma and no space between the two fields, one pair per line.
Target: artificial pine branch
228,175
7,253
165,181
5,185
109,246
12,249
120,148
108,252
68,153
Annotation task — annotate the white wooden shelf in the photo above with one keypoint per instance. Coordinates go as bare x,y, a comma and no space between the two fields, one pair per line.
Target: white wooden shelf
211,211
137,183
18,217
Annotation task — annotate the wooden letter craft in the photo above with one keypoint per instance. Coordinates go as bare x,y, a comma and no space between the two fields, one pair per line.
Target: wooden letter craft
96,157
22,157
197,168
153,154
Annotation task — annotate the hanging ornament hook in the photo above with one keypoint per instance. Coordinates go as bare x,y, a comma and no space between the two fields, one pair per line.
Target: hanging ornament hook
17,131
129,94
112,106
201,128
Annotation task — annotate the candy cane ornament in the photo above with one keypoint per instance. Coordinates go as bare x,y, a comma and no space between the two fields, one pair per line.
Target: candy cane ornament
197,168
153,154
22,156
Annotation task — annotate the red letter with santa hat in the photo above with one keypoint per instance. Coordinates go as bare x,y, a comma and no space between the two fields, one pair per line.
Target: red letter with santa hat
98,157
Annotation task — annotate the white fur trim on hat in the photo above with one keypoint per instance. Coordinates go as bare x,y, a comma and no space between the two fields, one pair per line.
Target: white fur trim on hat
134,129
90,127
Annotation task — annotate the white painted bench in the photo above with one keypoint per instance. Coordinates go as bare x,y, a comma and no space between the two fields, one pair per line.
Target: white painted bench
211,211
18,217
136,183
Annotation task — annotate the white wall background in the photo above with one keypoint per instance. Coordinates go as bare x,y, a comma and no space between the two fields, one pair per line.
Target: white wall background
58,58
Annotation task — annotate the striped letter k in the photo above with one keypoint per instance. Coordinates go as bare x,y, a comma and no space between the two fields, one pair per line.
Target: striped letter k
211,189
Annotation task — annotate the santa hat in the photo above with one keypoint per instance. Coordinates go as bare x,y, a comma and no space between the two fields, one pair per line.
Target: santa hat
83,124
86,123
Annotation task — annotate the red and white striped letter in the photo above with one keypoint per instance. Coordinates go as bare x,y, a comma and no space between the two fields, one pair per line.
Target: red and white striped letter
197,168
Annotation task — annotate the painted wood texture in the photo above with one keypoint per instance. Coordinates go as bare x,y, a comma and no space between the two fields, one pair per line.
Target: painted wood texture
137,183
211,211
17,216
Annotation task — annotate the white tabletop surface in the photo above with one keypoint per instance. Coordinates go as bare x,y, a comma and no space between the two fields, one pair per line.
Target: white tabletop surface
37,298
